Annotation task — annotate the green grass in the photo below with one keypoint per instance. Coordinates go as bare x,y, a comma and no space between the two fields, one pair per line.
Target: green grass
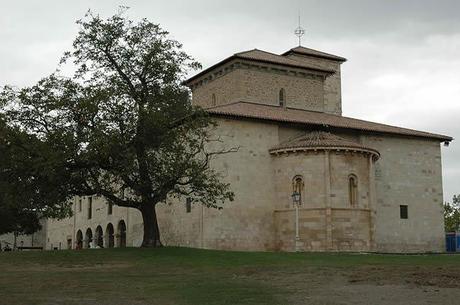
183,276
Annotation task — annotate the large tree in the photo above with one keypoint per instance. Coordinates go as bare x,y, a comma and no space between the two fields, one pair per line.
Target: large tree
29,188
123,123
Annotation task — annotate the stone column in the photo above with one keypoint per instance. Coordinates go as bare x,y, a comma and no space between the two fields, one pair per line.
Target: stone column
372,203
327,184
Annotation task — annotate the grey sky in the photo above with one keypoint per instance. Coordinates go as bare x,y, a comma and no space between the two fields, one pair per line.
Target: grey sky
403,56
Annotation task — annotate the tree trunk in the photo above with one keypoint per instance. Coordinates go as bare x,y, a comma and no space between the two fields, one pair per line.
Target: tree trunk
151,230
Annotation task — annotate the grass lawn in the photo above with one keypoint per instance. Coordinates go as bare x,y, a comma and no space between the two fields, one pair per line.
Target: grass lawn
191,276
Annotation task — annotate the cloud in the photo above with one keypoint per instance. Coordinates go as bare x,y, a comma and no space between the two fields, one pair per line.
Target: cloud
403,55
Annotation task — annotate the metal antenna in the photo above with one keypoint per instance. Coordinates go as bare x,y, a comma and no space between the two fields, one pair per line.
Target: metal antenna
299,32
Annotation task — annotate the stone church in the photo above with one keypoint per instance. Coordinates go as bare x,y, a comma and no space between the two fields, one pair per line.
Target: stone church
305,177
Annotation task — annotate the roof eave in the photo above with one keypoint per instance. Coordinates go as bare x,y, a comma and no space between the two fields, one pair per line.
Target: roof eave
440,138
330,57
196,76
281,150
236,56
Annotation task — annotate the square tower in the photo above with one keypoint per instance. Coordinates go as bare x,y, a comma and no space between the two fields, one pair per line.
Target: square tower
296,79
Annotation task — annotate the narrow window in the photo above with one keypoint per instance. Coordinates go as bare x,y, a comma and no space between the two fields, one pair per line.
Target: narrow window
79,205
403,212
352,190
297,186
109,208
214,101
90,207
282,98
188,205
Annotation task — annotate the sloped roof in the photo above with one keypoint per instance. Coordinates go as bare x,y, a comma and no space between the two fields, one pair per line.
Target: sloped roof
259,55
312,118
314,53
263,57
321,140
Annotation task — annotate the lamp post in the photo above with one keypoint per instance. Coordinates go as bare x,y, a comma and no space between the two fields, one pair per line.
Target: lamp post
296,201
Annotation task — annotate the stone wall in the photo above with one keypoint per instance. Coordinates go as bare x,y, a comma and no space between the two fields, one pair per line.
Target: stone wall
247,222
351,229
332,84
262,216
408,173
327,220
251,84
61,234
27,240
312,229
226,88
343,165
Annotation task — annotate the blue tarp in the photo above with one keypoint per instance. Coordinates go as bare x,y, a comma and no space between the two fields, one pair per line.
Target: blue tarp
451,242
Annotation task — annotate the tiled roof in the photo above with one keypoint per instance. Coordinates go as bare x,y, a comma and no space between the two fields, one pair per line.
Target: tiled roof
259,55
298,116
315,53
320,140
263,57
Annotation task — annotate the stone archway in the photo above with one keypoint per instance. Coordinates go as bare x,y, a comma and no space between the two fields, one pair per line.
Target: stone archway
121,234
99,237
79,240
109,236
88,238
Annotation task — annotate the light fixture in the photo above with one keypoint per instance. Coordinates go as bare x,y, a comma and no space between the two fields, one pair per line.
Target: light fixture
295,198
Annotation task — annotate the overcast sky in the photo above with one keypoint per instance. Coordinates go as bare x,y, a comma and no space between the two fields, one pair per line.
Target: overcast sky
403,63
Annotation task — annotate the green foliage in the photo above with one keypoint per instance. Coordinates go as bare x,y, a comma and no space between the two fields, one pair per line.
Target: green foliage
123,126
30,188
452,215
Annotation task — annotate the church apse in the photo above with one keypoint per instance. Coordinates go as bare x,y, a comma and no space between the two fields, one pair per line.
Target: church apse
330,217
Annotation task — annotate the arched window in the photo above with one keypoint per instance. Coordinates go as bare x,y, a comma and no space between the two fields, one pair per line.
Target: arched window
109,235
282,98
99,237
121,234
297,186
79,239
353,189
214,100
89,238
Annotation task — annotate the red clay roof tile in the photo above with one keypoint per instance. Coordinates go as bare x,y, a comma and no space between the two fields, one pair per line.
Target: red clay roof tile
298,116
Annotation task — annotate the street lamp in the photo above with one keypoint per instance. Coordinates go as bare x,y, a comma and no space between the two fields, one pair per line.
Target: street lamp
297,202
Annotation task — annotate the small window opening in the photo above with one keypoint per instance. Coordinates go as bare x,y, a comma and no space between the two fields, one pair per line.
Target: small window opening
79,205
214,100
90,207
353,190
403,212
188,205
282,98
109,208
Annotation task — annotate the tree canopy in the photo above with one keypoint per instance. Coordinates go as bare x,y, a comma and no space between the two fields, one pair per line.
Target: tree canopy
452,215
29,189
123,126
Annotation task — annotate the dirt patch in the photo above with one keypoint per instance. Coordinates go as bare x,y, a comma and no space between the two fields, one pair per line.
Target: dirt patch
441,277
364,285
64,268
